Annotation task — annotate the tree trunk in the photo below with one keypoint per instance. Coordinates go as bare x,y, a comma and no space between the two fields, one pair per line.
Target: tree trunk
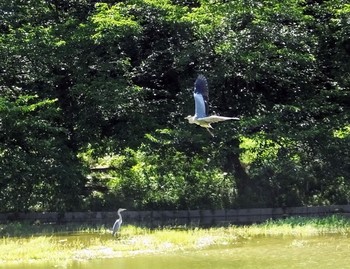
234,165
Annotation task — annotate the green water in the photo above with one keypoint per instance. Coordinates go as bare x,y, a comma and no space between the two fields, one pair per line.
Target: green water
265,252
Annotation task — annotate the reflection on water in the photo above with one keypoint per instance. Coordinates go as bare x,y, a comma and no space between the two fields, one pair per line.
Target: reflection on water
274,252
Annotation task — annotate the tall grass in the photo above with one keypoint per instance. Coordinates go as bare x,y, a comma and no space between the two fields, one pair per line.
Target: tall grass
288,226
309,226
25,229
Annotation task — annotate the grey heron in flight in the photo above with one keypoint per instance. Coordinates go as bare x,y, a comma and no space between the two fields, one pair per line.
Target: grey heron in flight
201,98
118,222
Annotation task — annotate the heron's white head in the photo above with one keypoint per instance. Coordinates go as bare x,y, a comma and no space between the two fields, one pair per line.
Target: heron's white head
121,210
190,119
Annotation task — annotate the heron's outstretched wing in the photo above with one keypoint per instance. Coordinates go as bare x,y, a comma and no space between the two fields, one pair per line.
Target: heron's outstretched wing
201,97
201,86
215,118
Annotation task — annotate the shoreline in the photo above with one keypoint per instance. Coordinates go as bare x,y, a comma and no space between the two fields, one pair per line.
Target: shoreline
98,243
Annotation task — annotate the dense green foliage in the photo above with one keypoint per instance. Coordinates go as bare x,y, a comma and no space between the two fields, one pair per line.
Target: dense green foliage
88,84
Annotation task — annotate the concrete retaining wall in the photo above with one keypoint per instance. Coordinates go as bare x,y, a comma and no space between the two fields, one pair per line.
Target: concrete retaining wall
181,217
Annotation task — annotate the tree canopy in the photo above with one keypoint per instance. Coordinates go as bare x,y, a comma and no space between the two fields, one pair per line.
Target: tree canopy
93,96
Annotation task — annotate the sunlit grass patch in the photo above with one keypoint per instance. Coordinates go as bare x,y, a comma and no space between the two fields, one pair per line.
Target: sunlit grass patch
31,249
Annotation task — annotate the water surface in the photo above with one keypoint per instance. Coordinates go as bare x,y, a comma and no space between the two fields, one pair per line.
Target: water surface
321,252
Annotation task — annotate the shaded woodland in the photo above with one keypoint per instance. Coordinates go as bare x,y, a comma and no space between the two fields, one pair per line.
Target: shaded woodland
93,97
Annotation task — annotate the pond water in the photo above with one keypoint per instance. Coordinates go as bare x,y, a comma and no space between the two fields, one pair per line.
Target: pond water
321,252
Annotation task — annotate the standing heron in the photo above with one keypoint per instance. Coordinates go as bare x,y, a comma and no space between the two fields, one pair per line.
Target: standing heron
118,222
201,98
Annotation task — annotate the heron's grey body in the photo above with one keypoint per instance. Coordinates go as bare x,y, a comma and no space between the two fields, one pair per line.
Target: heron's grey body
201,107
118,222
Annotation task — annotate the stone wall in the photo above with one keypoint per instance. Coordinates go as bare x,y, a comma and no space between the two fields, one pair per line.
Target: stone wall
180,217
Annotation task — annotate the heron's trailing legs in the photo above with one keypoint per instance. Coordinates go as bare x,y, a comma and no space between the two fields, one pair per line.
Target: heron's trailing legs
210,132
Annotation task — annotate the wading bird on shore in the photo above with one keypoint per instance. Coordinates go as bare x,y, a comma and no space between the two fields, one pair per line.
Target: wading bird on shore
201,106
118,222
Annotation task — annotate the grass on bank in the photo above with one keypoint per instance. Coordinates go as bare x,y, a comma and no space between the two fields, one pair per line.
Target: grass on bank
58,244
